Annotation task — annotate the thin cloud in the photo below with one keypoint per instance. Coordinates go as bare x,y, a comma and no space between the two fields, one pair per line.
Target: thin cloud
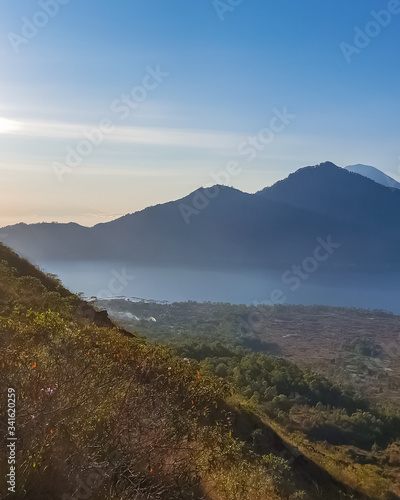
195,138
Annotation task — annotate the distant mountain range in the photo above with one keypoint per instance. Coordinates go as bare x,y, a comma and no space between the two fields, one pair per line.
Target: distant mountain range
222,227
374,174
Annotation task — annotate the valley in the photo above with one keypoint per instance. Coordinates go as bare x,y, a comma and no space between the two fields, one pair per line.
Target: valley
326,379
351,346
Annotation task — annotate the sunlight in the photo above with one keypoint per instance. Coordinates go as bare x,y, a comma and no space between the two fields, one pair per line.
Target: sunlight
7,126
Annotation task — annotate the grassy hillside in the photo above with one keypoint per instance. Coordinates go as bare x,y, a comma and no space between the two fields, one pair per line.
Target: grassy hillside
350,346
324,377
103,414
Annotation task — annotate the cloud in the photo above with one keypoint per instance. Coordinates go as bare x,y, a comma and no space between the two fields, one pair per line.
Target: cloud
189,138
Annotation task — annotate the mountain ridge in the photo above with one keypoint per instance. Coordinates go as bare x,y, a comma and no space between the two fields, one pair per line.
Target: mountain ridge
222,226
374,174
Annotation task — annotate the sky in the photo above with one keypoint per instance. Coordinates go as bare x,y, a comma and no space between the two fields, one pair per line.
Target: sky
109,107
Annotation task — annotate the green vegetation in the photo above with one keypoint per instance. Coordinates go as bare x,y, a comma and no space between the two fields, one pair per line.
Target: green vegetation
103,414
310,409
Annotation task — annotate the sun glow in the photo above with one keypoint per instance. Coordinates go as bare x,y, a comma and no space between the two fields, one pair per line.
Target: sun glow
7,126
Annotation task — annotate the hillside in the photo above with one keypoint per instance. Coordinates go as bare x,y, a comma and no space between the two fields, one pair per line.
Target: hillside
222,227
103,413
356,347
326,377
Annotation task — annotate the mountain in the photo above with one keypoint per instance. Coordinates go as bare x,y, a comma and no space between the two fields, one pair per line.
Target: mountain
374,174
219,227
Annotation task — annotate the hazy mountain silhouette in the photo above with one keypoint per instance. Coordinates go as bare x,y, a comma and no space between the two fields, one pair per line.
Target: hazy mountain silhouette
223,227
374,174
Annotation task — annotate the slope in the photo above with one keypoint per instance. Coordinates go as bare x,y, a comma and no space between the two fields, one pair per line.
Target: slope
104,414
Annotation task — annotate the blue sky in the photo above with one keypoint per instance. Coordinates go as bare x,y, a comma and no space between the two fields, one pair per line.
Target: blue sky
227,79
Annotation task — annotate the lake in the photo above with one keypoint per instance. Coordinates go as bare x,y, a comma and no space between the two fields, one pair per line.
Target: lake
116,279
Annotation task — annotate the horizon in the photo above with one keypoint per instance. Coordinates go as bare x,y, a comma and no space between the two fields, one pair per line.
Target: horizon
112,218
150,101
222,174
